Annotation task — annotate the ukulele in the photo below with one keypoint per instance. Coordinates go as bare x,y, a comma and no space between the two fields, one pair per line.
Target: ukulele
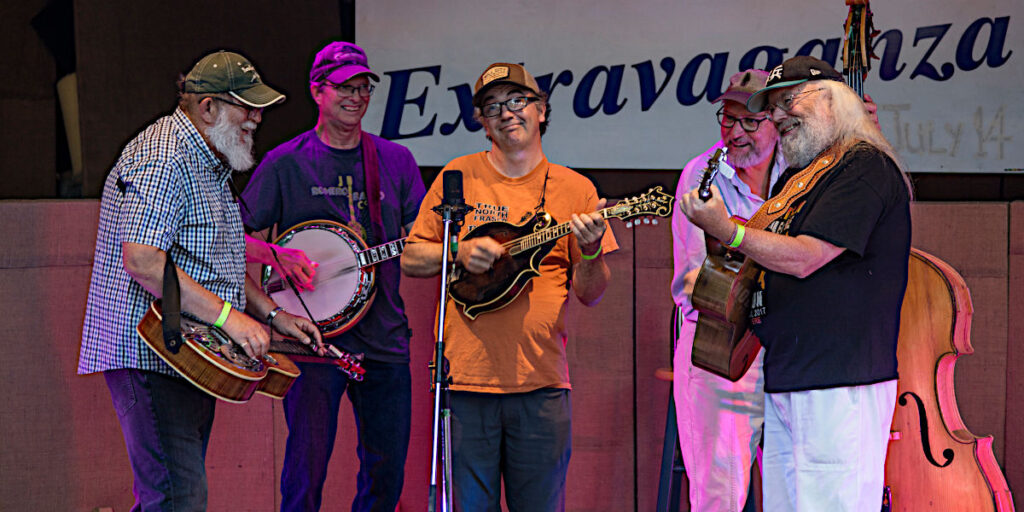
723,344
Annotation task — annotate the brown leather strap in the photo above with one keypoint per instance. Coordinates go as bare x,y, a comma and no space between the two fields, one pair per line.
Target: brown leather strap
797,186
371,177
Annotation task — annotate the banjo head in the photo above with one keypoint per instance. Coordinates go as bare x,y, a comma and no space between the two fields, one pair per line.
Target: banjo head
343,290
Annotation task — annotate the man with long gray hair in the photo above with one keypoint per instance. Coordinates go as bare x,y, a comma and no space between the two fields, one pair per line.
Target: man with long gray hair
826,303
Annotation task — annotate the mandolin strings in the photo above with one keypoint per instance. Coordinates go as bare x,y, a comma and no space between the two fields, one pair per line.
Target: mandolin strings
555,232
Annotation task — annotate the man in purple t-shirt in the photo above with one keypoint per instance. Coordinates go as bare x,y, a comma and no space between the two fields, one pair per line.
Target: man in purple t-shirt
319,175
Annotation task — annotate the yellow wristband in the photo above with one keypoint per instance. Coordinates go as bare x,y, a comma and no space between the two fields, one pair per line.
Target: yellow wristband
737,238
592,256
224,311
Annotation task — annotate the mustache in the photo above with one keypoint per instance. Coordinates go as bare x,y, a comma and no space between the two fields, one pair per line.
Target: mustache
786,124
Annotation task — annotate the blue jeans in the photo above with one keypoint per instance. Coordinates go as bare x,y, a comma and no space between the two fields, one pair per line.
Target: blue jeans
166,424
382,406
523,438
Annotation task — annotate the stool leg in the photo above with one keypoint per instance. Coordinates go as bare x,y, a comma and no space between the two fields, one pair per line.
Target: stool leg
670,479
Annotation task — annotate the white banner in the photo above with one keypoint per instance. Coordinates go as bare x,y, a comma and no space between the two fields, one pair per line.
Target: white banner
631,82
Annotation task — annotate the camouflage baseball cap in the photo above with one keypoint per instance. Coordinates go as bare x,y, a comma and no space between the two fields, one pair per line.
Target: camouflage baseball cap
231,73
742,85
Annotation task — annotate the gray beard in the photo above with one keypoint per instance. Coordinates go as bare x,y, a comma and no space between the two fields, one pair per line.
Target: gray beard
813,136
224,137
752,157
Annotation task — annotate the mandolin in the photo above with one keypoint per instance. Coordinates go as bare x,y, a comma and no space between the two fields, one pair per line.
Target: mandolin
525,246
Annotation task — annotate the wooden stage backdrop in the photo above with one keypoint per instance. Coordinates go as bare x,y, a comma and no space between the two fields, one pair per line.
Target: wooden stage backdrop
63,448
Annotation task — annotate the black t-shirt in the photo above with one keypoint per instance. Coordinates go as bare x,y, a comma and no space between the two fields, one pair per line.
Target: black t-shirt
838,326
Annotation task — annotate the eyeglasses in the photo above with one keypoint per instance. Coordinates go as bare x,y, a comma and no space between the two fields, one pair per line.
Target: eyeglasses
512,104
364,91
249,111
749,124
786,103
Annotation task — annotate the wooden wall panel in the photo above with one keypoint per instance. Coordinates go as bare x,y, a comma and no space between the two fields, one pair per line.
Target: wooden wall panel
48,233
653,351
240,458
1013,457
59,430
600,351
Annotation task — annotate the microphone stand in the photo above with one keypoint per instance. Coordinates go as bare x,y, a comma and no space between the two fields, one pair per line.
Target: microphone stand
452,214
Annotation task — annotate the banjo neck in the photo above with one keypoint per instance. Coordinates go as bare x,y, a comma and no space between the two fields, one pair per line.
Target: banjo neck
382,252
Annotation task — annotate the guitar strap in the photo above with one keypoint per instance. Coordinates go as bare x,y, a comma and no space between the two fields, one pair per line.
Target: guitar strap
171,307
797,186
371,177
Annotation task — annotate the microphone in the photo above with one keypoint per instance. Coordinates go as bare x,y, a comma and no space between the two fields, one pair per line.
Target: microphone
451,185
453,205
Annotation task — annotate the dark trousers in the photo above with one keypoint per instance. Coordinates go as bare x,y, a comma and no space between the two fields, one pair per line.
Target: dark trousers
166,423
382,408
523,438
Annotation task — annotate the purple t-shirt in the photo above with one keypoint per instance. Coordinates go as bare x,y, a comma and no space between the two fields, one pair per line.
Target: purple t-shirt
305,179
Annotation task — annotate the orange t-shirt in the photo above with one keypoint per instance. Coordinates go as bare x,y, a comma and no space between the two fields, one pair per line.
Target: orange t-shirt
520,347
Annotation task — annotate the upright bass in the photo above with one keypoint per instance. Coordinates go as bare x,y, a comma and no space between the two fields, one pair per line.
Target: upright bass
934,462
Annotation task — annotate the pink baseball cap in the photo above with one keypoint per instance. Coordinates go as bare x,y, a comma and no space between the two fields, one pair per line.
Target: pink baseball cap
340,61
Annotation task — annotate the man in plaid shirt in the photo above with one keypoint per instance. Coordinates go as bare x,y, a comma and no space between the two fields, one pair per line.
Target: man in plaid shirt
168,194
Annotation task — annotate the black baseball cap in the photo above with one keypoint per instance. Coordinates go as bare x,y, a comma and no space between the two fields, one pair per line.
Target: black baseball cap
793,71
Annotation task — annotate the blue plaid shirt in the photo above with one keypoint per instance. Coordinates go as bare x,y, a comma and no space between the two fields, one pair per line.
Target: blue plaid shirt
169,191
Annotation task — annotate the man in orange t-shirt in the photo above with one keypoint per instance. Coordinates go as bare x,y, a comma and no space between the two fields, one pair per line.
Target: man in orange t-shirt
509,375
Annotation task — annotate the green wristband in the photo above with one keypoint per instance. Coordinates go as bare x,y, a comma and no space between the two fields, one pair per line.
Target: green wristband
224,311
592,256
737,238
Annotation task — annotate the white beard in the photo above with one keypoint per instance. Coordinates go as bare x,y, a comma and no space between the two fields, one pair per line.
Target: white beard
813,135
228,140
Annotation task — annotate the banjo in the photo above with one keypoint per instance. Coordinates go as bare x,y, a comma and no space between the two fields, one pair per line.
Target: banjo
344,283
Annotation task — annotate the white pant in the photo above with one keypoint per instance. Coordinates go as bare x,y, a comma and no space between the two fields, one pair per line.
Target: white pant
824,450
720,426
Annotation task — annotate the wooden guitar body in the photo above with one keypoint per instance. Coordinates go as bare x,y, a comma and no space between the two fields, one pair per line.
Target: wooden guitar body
211,361
934,462
723,344
482,293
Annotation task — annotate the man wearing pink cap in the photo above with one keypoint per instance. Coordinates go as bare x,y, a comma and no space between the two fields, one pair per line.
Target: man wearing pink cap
328,172
720,422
